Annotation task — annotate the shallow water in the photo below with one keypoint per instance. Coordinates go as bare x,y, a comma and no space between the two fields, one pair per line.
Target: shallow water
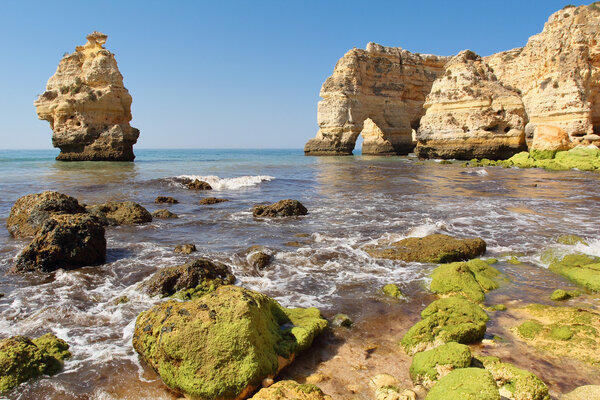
352,201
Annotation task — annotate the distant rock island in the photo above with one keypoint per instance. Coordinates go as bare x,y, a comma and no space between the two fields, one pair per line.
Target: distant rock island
88,107
467,106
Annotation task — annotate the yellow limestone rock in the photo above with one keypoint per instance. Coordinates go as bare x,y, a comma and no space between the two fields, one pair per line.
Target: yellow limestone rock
558,74
548,137
380,92
88,107
470,114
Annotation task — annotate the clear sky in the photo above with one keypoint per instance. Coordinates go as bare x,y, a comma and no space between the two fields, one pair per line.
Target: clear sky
233,74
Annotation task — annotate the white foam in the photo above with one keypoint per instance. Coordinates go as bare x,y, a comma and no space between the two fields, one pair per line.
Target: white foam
230,183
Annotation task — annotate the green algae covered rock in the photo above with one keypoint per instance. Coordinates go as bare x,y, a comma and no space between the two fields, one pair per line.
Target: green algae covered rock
472,279
451,319
392,290
291,390
190,280
560,294
562,331
22,358
341,320
582,269
222,345
436,248
582,158
426,366
513,382
570,240
465,384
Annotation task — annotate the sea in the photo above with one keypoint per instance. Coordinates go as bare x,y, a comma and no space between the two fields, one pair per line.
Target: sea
319,259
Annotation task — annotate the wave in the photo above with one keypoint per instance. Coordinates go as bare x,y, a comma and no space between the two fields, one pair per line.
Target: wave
229,183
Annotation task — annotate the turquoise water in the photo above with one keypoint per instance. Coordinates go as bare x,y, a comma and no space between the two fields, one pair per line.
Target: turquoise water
318,259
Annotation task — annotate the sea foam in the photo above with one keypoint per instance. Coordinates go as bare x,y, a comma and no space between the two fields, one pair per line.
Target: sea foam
230,183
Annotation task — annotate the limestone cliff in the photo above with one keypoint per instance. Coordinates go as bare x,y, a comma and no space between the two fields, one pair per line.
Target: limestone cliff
558,73
88,107
380,92
470,114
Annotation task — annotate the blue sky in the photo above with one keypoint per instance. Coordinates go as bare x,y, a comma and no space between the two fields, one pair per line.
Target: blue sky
233,74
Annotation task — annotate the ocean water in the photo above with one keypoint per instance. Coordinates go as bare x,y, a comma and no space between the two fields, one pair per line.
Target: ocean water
318,259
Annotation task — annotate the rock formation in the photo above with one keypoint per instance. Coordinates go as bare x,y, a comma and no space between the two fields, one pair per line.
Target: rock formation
88,107
470,114
384,86
558,73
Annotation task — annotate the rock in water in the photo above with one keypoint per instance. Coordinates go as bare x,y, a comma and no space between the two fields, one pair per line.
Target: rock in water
283,208
64,241
88,107
120,213
222,345
379,93
470,114
291,390
30,211
22,358
465,384
558,74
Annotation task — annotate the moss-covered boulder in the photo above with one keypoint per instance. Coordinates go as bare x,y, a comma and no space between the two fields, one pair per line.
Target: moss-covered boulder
29,212
582,269
471,279
283,208
582,158
193,279
222,345
436,248
428,366
451,319
515,383
291,390
571,240
120,213
587,392
465,384
560,294
562,331
392,290
64,241
22,358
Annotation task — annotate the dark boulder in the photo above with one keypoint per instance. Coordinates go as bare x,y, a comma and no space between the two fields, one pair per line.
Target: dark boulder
283,208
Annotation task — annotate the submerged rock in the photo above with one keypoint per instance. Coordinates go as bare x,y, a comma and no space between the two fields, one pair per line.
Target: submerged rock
428,366
211,200
579,268
515,383
88,107
465,384
189,280
197,184
120,213
166,200
291,390
571,240
224,344
392,290
187,248
472,279
164,214
560,294
451,319
283,208
29,212
258,257
470,114
436,248
22,358
64,241
562,331
341,320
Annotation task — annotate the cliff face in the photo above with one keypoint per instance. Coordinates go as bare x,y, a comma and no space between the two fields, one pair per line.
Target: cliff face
384,86
558,74
88,107
470,114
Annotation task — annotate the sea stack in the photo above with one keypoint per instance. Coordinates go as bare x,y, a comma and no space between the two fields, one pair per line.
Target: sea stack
88,107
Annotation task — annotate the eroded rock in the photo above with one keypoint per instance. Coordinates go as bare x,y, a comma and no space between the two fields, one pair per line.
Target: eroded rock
88,107
224,344
283,208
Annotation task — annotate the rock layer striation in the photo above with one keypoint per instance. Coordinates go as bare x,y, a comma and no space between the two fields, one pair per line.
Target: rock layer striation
88,107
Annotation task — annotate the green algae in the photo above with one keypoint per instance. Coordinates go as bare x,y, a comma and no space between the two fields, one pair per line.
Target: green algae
450,355
529,329
497,307
225,343
491,261
472,279
561,333
392,290
465,384
513,260
581,158
571,240
451,319
291,390
341,320
22,359
515,382
582,269
560,294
